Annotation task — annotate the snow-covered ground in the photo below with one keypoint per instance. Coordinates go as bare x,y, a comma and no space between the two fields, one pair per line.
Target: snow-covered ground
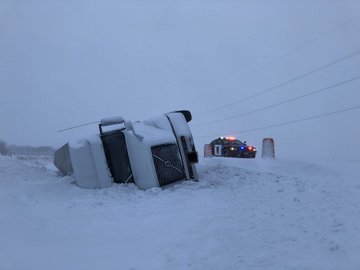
242,214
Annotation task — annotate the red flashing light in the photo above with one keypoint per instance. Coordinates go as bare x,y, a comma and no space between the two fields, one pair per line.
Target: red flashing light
250,148
231,138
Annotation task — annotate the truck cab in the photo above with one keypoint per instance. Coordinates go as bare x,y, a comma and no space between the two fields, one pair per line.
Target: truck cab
151,153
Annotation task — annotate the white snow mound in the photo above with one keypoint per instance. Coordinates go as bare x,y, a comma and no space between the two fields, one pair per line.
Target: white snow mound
242,214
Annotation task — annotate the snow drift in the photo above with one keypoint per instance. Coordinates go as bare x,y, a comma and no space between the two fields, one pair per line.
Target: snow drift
242,214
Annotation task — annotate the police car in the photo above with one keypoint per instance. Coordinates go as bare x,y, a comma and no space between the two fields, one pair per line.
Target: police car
229,147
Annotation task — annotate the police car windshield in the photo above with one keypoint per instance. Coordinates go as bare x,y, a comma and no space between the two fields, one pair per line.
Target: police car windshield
224,141
236,142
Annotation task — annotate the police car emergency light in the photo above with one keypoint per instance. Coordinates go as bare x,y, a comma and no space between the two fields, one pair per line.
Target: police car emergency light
151,153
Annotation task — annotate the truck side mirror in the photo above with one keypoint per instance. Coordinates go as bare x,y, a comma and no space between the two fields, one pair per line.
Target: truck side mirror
112,121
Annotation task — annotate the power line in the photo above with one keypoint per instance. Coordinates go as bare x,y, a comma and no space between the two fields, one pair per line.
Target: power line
306,44
281,103
283,84
288,122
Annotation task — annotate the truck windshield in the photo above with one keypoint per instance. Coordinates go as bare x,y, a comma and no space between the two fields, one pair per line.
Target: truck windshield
117,156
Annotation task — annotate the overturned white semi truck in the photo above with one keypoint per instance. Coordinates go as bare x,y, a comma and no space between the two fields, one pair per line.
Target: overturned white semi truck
152,153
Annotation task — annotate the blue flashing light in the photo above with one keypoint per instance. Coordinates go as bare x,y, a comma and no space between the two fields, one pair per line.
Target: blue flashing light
242,147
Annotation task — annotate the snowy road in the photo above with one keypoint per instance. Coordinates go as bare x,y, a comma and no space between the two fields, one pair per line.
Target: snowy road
242,214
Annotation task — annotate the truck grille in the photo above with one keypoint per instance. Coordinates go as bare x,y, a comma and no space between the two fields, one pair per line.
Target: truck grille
167,163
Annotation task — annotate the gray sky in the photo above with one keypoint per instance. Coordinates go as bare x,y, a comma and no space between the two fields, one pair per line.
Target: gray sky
64,63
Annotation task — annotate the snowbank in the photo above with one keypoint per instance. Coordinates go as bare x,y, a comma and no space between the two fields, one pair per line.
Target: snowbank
242,214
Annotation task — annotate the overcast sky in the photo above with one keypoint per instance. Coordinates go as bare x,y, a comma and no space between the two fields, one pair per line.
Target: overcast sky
68,62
